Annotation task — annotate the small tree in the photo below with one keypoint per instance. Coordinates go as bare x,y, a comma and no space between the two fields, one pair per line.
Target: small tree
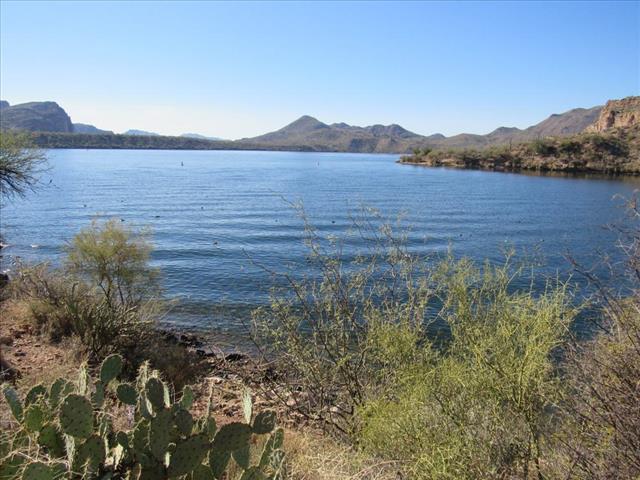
20,164
115,260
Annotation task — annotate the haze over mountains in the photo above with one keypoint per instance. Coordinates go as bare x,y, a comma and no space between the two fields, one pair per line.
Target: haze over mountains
308,133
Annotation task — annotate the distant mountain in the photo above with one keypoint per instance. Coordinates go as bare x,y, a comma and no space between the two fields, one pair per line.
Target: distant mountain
198,136
35,117
308,133
84,128
141,133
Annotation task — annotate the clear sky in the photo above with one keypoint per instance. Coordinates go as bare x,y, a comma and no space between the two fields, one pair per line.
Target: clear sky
241,69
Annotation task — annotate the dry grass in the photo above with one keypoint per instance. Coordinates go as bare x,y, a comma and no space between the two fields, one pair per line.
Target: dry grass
315,457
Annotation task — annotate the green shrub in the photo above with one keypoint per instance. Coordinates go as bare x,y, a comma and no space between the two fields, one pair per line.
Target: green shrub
543,147
67,430
479,406
115,260
325,330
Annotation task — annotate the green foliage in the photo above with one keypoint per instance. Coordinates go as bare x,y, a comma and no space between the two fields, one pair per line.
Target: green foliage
114,259
480,405
109,298
323,329
77,440
543,147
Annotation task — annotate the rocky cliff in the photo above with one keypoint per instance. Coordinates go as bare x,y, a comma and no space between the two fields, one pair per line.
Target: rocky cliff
35,117
617,113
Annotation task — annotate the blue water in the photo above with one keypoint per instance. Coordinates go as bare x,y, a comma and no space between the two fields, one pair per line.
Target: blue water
218,213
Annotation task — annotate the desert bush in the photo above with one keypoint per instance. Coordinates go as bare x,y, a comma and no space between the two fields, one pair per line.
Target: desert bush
324,328
608,144
601,422
481,404
115,260
542,147
67,430
570,147
107,296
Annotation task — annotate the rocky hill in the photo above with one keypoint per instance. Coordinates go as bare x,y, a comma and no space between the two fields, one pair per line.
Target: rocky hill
618,113
35,117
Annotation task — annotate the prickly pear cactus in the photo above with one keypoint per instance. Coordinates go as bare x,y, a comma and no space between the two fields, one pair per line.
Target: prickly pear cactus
110,368
218,461
160,434
12,398
76,416
232,436
72,432
127,394
157,393
264,422
51,439
188,455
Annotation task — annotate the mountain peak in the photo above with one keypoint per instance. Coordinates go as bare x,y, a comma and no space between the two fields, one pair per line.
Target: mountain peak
305,123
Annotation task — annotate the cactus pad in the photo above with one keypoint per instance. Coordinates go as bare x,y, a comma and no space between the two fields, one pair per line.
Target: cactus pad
33,418
12,398
97,398
51,439
92,451
254,473
76,416
160,434
38,471
84,380
122,439
157,393
141,437
58,390
242,456
186,401
264,422
110,368
184,421
247,405
278,439
232,436
188,455
266,452
218,461
202,472
127,394
209,427
34,394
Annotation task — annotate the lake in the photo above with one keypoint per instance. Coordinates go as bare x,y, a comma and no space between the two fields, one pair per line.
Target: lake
213,214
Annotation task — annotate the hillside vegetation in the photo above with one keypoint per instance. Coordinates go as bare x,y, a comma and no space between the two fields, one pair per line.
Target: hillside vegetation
610,145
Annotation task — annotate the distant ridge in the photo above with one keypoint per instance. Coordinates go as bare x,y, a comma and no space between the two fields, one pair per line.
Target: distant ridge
141,133
84,128
198,136
304,134
309,133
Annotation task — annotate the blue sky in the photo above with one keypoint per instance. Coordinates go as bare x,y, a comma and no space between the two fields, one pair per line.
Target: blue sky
242,69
